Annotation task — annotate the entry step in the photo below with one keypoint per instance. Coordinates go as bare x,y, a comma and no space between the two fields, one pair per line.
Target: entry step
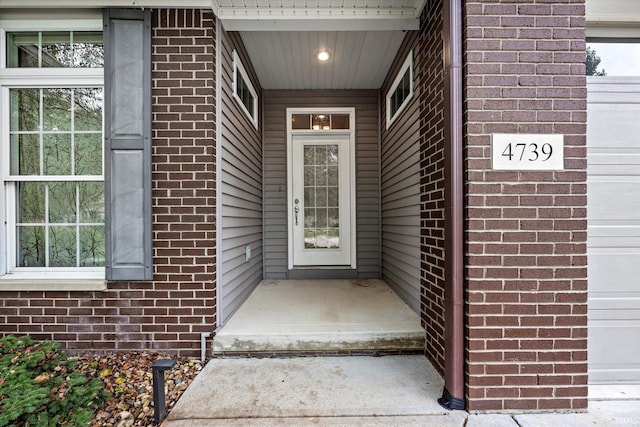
321,316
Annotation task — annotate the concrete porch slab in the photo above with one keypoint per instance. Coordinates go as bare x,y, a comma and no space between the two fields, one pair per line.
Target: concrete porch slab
296,391
321,315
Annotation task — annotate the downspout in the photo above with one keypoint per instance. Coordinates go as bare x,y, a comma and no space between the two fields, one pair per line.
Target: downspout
453,393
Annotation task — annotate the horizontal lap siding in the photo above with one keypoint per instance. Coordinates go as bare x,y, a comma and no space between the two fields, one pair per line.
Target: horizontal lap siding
400,189
241,190
367,175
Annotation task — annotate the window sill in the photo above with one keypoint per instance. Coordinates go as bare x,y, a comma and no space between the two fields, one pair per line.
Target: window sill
25,284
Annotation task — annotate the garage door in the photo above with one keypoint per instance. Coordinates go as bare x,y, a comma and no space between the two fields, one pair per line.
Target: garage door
613,151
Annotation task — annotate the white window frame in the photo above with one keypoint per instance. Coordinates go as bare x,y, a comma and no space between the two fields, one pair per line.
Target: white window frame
408,64
239,68
45,278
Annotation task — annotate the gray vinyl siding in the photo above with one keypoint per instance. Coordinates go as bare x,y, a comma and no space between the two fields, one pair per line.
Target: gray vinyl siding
400,189
367,163
241,186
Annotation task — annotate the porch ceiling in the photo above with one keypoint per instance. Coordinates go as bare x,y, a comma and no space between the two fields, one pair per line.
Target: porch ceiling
283,37
287,60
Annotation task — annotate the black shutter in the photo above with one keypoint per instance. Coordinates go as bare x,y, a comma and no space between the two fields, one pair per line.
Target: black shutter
127,45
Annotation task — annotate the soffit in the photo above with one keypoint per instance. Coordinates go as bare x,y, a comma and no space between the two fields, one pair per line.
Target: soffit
286,60
282,38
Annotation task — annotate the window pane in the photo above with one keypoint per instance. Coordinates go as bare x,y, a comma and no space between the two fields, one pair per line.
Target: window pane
88,109
31,202
88,49
62,246
339,121
300,121
320,199
31,246
613,59
25,154
25,110
22,50
88,154
56,109
62,202
57,154
56,49
92,246
245,94
91,202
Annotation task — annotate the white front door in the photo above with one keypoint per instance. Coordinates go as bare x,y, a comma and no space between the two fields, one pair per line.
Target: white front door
320,200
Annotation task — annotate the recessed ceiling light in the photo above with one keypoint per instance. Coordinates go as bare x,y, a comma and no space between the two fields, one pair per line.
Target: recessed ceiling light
323,55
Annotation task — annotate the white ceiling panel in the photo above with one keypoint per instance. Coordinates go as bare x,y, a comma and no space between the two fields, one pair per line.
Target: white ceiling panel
287,59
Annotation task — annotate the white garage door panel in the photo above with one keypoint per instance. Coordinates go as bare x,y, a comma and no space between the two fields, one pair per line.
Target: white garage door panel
615,201
608,360
613,246
617,272
624,124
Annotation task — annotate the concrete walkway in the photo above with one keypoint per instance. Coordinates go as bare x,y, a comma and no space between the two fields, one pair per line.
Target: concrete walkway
350,391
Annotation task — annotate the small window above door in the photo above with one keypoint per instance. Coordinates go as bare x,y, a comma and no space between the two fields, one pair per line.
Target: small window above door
320,121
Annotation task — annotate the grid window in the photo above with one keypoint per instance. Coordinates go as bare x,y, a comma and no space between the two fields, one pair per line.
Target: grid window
53,147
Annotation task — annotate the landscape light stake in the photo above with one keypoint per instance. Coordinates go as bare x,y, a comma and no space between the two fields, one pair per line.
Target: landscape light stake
159,405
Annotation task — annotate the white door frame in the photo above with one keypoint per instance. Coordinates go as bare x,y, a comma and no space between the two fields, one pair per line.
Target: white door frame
348,134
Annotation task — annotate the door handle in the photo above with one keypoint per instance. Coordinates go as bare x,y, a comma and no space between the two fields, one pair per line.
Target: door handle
296,209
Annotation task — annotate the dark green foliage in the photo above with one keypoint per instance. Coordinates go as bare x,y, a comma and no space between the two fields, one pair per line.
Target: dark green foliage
38,386
592,62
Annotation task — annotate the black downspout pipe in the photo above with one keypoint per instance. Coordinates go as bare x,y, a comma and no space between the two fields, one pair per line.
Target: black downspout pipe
453,393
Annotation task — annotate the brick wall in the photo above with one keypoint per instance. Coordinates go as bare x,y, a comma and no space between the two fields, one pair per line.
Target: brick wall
169,313
430,78
526,231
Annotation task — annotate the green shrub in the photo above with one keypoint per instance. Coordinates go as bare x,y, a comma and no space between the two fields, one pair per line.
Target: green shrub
38,386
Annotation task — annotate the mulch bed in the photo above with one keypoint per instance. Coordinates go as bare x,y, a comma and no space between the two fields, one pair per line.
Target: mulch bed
128,376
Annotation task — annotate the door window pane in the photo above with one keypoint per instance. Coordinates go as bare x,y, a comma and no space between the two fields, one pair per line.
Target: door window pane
321,199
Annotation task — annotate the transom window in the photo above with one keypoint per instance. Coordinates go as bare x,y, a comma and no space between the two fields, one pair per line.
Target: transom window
320,121
243,90
401,91
52,150
44,49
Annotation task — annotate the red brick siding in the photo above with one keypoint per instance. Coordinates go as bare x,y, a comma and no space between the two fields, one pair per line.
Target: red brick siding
430,78
169,313
526,260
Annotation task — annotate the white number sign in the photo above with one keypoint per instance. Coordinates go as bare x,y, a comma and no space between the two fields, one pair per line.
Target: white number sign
527,152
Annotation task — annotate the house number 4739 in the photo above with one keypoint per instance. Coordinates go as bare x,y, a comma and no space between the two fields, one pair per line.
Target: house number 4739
527,152
533,151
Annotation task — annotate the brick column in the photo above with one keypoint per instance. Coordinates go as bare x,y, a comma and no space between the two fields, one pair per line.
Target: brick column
526,231
430,80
